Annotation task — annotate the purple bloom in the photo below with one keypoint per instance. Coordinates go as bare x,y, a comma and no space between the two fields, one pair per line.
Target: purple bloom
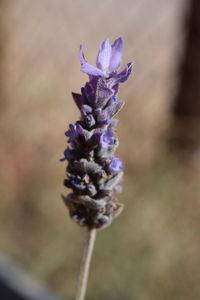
93,172
71,133
107,139
108,61
116,165
74,133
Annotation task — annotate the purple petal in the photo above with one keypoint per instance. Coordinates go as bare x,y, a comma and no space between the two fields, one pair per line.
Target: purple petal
107,138
71,133
87,68
116,165
103,57
116,55
124,75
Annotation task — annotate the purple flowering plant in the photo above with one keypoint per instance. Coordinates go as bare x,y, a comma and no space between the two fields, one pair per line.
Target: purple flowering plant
93,171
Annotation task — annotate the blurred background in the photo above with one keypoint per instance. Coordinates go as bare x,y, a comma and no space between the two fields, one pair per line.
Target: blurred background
152,251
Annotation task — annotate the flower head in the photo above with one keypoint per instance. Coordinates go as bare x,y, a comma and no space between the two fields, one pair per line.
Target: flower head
93,172
108,61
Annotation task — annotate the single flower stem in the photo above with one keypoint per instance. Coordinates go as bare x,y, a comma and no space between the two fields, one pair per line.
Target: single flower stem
85,264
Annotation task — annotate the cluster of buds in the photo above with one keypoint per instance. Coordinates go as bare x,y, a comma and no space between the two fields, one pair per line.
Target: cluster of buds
93,172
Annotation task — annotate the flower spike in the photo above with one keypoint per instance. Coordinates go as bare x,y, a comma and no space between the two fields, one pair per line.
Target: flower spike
93,171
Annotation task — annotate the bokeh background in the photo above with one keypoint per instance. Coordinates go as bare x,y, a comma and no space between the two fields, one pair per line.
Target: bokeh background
152,251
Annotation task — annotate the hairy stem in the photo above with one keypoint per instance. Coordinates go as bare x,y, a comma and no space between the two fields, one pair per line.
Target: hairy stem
85,264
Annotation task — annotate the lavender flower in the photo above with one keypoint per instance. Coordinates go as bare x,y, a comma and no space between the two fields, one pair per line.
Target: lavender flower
93,173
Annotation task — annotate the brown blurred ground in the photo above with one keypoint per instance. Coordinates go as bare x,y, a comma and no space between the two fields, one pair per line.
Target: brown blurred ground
152,251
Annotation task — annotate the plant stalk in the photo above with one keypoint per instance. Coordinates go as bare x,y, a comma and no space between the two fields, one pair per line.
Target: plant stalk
85,264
